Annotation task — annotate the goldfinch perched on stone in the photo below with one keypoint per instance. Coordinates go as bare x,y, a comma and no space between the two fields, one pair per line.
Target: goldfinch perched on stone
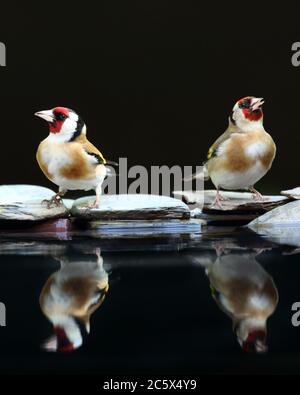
67,158
244,153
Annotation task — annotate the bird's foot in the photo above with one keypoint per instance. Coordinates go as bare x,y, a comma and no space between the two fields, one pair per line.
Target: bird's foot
256,195
220,248
56,201
259,251
223,198
93,205
217,203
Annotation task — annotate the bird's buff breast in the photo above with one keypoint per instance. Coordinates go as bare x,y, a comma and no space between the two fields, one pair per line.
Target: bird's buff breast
71,290
68,167
242,161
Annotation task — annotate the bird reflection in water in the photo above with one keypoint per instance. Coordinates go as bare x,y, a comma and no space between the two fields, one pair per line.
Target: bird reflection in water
69,298
246,293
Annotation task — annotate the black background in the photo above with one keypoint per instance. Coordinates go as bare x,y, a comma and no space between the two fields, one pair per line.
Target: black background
154,80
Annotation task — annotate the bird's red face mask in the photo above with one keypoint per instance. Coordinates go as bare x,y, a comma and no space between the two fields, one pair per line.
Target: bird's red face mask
251,108
255,342
55,118
58,342
63,343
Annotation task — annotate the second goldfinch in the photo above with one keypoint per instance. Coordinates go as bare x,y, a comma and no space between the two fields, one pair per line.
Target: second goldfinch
246,293
244,153
67,158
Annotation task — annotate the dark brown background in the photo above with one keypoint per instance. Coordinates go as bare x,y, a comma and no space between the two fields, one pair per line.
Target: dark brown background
153,80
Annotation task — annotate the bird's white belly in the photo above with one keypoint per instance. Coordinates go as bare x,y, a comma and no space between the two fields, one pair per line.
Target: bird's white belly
84,185
234,180
76,184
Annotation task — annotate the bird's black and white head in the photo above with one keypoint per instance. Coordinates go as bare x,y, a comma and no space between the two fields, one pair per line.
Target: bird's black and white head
247,113
252,335
64,123
67,335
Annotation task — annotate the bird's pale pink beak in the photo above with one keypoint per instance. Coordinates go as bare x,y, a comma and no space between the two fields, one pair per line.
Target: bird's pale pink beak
256,103
47,115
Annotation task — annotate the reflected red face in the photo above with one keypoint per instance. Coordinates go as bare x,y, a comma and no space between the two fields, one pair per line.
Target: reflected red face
253,337
60,115
245,106
63,343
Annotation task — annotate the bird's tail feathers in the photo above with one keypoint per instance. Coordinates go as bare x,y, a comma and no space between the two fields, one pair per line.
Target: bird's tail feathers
200,175
109,168
111,163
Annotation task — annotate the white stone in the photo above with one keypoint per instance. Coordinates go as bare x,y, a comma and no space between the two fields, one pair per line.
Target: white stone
24,202
292,193
233,201
131,207
288,214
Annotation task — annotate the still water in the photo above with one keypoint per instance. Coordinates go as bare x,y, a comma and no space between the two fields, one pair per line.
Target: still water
217,302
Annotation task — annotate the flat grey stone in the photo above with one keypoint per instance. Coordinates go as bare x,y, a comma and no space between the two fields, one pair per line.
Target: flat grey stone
292,193
68,203
24,203
287,235
233,201
23,193
131,207
289,214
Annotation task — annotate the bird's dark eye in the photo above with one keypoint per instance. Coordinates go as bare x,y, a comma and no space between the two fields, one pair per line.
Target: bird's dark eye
60,116
245,104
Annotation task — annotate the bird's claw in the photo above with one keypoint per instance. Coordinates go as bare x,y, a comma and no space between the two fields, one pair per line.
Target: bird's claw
257,195
92,205
217,205
220,248
223,198
54,201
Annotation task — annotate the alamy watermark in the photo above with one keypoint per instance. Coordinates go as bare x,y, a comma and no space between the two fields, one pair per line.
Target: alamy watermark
154,180
296,316
295,59
2,314
2,54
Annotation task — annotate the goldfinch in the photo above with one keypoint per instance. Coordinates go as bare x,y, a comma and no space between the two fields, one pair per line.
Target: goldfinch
67,158
244,153
69,298
247,294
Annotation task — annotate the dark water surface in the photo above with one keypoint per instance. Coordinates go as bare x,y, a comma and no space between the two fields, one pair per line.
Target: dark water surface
157,305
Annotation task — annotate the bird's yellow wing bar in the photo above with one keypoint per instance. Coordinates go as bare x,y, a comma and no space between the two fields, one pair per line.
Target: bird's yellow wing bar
211,152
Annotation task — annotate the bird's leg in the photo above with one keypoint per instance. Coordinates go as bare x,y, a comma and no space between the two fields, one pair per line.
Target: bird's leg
99,257
98,254
255,194
217,202
223,198
56,199
97,201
